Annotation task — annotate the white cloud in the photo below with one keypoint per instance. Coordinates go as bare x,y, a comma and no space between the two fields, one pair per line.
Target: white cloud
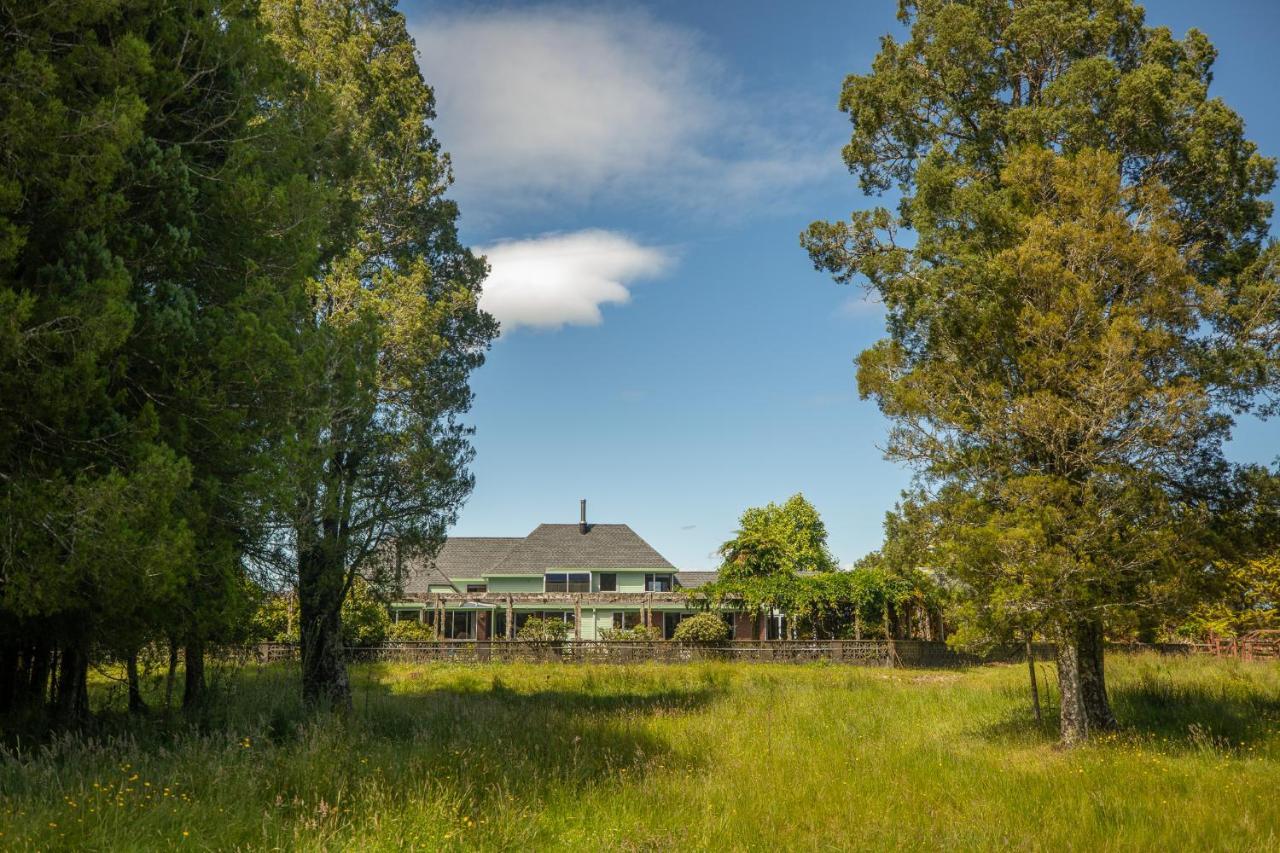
550,104
562,279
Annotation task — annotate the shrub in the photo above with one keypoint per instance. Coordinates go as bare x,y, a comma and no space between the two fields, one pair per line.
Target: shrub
410,632
638,634
702,628
546,630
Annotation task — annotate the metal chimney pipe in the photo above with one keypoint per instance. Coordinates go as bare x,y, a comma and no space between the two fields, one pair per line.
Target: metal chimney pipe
582,516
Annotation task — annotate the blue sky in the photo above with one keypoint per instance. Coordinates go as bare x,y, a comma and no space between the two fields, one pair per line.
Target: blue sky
638,175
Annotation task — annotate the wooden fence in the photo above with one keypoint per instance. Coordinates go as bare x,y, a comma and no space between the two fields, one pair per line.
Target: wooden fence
908,653
904,653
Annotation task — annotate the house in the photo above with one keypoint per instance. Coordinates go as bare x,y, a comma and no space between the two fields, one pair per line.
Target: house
595,577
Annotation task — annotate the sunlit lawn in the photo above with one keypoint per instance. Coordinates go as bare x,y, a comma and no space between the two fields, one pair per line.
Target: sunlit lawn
702,756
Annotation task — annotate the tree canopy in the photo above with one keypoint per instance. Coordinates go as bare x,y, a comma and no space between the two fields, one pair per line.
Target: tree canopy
778,539
1087,299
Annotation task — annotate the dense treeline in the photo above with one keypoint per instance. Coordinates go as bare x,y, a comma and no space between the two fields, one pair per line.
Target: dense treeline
237,327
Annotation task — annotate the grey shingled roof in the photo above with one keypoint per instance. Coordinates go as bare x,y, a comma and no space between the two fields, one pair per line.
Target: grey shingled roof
564,546
459,557
691,580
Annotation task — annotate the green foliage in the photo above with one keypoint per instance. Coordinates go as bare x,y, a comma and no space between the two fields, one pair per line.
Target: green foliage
151,164
1087,299
1247,599
638,634
365,619
701,628
410,631
777,540
543,630
276,619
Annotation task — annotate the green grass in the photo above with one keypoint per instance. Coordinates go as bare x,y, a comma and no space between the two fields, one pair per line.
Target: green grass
703,756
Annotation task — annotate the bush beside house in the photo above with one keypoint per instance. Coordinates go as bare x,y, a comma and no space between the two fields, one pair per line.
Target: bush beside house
702,628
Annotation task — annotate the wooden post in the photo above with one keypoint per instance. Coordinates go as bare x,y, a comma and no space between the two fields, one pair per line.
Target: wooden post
888,636
577,619
511,619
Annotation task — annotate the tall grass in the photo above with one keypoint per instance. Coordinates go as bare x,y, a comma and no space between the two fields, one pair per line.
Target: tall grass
706,756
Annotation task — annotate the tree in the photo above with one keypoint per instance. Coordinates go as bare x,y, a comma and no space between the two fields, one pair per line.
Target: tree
1087,300
778,539
149,175
392,326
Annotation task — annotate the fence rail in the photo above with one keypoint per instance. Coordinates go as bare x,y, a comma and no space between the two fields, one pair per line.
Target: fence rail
905,653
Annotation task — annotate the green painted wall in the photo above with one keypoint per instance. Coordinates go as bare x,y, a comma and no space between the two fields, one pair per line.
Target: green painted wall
523,583
631,581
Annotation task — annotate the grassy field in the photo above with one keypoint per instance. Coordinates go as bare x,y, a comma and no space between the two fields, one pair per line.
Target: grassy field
702,756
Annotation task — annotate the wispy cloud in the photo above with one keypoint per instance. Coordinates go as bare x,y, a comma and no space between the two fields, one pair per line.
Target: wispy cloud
862,305
551,104
563,279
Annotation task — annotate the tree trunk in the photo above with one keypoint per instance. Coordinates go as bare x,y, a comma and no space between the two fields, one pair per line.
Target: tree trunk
1072,720
136,703
1031,670
321,585
1085,707
1093,683
41,665
10,660
71,706
193,681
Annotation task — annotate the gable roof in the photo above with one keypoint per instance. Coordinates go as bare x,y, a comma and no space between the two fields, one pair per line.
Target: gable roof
459,557
565,546
692,580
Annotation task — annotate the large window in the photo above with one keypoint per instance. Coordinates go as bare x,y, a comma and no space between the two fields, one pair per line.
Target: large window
669,623
567,582
460,625
608,582
626,619
522,616
657,583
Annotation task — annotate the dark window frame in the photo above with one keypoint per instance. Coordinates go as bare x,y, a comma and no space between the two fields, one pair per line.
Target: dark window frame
611,585
652,584
566,582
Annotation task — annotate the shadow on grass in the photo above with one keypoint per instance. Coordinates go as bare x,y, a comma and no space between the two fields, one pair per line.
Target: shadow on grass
1197,717
474,731
1182,717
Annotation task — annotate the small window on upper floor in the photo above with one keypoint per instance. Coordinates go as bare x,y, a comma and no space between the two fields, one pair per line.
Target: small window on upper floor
608,582
477,587
657,583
